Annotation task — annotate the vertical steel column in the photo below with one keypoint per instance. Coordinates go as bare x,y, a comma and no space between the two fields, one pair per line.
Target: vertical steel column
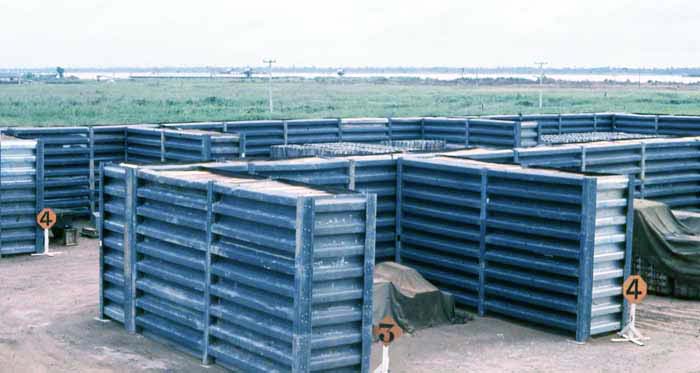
162,146
130,250
466,133
595,122
390,123
100,242
517,134
643,171
39,179
351,174
397,222
559,117
483,215
585,259
206,149
206,359
305,221
241,145
91,144
370,243
629,231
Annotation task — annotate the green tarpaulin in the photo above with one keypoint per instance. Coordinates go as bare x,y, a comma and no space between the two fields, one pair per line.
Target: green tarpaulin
410,299
670,244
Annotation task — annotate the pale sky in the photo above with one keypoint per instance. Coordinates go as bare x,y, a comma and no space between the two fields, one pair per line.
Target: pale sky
460,33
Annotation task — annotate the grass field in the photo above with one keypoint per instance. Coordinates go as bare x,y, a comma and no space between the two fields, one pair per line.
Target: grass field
157,101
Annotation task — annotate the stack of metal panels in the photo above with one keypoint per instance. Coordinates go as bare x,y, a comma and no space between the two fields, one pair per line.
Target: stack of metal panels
144,145
364,129
565,123
636,123
254,275
21,189
498,133
406,128
670,172
377,175
259,135
312,171
417,145
107,145
335,149
308,131
148,145
113,230
679,125
454,131
540,245
66,166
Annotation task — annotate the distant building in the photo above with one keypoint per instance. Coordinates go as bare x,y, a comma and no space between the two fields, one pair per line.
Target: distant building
10,78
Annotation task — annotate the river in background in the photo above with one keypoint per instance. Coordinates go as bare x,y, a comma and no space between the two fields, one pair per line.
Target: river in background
633,78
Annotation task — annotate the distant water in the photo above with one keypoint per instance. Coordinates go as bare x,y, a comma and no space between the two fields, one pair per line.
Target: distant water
634,78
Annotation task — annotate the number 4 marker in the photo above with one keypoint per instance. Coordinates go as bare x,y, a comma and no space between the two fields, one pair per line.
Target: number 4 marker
46,219
634,290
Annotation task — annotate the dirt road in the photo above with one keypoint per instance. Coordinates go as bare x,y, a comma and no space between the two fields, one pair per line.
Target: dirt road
47,324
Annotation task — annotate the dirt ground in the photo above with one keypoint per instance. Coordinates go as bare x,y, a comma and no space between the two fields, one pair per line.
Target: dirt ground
48,308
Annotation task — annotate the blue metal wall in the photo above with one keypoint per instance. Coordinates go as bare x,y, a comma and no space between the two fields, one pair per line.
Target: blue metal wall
253,275
107,145
664,169
364,129
539,245
66,166
147,145
114,230
21,189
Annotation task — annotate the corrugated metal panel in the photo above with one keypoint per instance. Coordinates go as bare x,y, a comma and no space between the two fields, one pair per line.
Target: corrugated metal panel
519,242
158,145
671,172
455,131
438,225
144,145
253,275
364,129
66,166
636,123
678,125
495,133
377,175
313,171
107,145
259,135
113,232
612,253
21,188
406,128
308,131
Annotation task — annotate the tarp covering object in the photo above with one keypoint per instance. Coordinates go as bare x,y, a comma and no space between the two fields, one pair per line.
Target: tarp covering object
670,244
410,299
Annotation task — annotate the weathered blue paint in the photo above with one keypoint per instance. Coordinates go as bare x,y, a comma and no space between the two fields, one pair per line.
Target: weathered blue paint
20,196
286,270
518,242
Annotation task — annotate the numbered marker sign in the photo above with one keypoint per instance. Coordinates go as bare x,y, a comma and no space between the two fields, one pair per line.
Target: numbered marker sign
46,218
387,331
634,289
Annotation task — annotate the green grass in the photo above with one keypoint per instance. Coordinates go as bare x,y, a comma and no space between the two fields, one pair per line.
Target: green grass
158,101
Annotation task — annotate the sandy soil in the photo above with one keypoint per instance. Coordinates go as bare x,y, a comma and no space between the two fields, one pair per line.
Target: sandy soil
47,324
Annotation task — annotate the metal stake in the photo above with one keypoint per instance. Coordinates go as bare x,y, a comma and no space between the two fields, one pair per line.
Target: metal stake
630,332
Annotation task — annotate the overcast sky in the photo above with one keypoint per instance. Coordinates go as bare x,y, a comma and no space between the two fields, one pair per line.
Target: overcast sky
632,33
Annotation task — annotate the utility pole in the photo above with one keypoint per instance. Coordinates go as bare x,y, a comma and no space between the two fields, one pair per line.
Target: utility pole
541,65
269,85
